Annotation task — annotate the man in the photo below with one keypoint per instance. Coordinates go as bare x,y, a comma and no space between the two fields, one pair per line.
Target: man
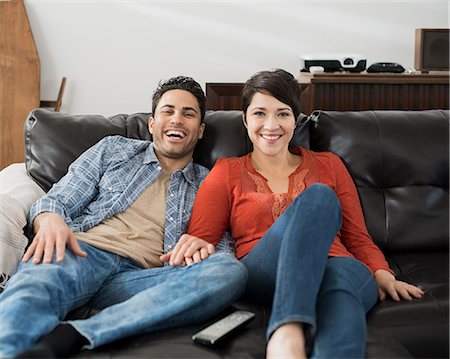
122,204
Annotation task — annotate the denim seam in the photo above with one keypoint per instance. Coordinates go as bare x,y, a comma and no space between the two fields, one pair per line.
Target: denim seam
116,265
68,305
117,262
363,287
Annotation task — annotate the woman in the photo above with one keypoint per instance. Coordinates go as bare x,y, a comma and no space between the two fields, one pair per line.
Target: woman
299,229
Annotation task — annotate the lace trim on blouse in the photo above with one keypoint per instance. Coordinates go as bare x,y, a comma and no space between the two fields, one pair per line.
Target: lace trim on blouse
280,201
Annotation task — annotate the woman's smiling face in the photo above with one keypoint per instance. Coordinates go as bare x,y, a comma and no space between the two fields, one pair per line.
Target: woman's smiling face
270,124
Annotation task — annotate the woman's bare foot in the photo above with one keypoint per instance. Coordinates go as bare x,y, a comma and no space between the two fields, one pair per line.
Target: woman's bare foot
287,342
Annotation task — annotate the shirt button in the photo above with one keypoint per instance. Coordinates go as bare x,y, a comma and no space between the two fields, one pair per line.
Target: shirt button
110,188
172,195
171,219
169,246
158,168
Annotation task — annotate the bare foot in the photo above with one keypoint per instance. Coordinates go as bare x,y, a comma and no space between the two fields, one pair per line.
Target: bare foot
287,342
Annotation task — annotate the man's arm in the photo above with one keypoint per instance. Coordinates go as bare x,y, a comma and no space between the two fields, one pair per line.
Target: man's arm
49,218
73,192
51,232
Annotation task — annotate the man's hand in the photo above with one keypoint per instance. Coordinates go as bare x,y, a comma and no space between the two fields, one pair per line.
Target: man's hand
51,231
387,284
189,249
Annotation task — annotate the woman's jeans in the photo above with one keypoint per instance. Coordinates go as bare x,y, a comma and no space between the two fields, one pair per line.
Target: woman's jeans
290,264
135,300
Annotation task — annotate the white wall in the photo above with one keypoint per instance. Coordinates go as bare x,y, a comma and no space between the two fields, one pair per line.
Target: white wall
115,52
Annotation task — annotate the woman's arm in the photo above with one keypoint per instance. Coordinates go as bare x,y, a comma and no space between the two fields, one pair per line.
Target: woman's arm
354,233
356,238
387,284
209,219
212,207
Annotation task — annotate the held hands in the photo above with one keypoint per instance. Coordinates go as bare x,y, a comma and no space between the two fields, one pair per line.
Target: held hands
188,250
387,284
51,232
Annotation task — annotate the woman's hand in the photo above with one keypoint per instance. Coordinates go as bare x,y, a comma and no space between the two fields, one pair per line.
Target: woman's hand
189,249
387,284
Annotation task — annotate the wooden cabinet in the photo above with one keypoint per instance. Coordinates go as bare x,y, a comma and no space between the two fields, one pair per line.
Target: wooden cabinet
223,96
351,92
19,79
354,92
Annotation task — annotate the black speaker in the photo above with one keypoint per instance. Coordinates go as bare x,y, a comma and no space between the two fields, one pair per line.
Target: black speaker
432,50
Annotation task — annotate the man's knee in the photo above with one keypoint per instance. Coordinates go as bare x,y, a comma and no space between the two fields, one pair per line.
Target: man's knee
231,274
232,268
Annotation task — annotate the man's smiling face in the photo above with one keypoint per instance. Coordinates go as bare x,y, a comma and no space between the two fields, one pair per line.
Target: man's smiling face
176,126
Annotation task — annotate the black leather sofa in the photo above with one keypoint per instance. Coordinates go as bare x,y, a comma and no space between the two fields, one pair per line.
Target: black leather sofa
400,163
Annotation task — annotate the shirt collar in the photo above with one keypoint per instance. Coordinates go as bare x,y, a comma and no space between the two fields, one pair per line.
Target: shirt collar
188,171
150,155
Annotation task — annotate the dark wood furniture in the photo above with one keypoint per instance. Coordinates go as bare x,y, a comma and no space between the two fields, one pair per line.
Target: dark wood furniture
223,96
55,104
352,92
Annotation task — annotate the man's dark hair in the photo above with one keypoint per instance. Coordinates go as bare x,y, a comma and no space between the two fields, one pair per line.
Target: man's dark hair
180,83
277,83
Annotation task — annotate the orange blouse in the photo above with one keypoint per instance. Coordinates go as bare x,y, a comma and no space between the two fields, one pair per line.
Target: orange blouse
235,197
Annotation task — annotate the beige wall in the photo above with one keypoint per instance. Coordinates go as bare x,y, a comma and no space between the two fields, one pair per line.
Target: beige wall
114,52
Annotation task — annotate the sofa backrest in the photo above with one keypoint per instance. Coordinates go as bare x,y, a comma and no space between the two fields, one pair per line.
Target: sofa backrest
398,159
53,140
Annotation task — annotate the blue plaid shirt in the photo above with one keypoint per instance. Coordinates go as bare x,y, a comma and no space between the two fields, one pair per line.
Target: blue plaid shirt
110,176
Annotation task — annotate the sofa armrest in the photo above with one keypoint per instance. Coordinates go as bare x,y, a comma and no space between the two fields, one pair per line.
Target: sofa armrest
17,194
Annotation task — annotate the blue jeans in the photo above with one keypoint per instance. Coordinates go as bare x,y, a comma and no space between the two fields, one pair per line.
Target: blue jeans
135,300
290,267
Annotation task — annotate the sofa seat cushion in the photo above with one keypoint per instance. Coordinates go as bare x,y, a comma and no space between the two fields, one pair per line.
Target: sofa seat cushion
248,342
422,319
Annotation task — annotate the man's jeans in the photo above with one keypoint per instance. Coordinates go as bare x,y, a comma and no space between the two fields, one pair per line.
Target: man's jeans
135,300
291,265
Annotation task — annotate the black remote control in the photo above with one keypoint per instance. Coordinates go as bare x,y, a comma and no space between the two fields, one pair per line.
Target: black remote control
221,329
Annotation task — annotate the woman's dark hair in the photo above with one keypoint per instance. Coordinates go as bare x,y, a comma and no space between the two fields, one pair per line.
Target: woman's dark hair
180,83
277,83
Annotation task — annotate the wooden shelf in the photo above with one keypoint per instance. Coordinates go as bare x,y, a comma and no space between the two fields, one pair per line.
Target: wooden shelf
374,78
351,92
223,96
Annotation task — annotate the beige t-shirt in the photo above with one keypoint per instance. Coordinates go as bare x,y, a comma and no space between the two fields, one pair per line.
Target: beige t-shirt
138,232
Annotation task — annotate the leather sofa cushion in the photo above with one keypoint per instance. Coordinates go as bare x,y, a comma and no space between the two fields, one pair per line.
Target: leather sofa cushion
53,140
398,159
403,320
400,163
